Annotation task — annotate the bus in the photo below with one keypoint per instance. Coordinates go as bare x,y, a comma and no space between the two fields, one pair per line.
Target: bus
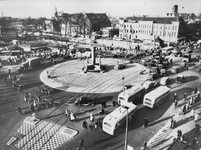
167,50
113,120
156,97
33,62
132,94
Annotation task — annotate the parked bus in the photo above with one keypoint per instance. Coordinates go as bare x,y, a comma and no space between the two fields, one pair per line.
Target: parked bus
167,50
156,97
113,120
131,95
33,62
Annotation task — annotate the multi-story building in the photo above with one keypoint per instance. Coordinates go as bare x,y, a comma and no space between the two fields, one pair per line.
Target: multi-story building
82,23
169,29
8,33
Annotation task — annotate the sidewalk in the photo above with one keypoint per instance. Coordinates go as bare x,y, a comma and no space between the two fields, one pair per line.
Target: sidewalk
164,137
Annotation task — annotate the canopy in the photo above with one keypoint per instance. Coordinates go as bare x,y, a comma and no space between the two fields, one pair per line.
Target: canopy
13,47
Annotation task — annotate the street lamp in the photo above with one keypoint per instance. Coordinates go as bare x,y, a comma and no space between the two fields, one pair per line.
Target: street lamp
126,134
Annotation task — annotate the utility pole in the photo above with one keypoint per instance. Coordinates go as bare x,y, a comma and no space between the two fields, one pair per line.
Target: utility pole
126,134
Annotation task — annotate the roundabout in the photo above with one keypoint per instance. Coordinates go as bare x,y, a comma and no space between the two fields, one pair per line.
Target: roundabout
68,76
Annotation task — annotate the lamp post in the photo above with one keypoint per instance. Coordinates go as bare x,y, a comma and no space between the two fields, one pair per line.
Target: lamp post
126,134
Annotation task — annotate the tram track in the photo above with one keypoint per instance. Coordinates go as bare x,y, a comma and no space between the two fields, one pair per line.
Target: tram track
89,91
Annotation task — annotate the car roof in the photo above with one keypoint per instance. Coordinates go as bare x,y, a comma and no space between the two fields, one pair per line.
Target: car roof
164,78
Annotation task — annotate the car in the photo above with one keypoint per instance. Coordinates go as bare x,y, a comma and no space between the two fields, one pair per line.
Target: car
46,89
18,86
163,72
174,69
119,66
165,81
180,78
128,86
150,84
84,100
22,67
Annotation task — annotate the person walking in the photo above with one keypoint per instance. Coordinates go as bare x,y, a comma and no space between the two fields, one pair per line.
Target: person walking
185,96
175,96
175,103
19,109
196,117
92,118
184,109
146,122
114,103
81,144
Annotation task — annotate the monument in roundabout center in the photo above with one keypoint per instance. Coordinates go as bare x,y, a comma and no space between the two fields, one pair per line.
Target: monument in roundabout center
93,66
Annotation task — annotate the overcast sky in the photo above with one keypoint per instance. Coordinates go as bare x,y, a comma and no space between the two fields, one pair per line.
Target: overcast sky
46,8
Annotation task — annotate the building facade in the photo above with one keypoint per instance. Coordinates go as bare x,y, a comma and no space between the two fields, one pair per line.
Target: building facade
169,29
8,33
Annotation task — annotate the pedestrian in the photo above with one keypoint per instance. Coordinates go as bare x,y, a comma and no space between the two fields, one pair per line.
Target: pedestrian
187,105
72,117
191,100
19,109
179,134
186,67
34,116
196,117
184,109
102,111
195,90
92,118
66,112
81,144
103,103
144,147
175,103
192,112
173,122
175,96
114,103
146,122
185,96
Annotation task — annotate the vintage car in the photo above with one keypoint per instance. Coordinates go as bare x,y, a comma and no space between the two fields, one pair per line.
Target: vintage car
17,85
150,84
46,89
175,69
120,66
84,100
165,81
180,78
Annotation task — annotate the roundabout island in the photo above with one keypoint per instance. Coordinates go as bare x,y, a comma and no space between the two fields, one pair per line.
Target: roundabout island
69,76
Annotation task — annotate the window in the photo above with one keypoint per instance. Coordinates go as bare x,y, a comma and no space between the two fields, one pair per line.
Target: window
172,27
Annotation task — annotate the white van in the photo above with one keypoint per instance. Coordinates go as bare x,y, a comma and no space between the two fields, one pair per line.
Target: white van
167,50
113,120
156,97
131,95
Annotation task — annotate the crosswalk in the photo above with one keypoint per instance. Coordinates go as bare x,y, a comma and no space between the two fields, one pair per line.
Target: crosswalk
42,135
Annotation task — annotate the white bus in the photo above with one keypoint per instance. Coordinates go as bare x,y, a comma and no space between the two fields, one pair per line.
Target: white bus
113,120
156,97
132,94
